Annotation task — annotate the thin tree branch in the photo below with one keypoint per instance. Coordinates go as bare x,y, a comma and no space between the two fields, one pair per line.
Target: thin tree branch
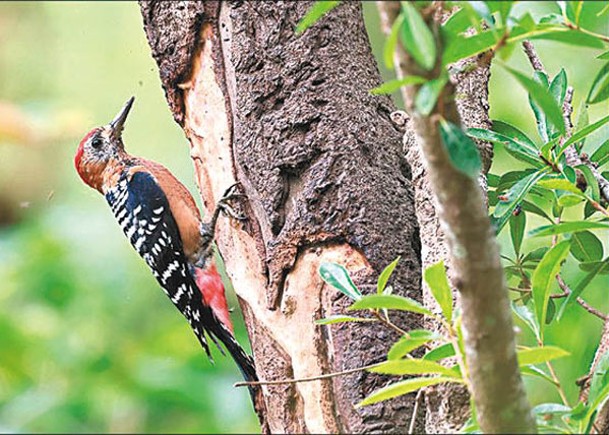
487,319
566,289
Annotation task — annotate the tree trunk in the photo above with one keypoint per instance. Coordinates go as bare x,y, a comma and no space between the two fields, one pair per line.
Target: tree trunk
322,167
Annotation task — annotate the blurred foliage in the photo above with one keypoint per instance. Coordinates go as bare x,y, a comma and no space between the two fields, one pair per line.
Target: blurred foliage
88,342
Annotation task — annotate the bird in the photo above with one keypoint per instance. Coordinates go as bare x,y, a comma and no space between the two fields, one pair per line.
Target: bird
160,218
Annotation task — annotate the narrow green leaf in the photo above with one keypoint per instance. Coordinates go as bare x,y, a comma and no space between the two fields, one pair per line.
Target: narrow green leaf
435,277
519,150
538,355
543,277
566,227
541,95
600,378
601,155
591,181
318,10
517,225
390,302
338,277
410,342
551,408
605,55
532,208
579,135
462,151
504,209
559,184
413,367
428,94
536,372
385,275
403,387
458,23
585,246
515,134
599,91
529,319
558,87
394,85
392,42
568,200
461,46
545,131
600,267
417,38
444,351
341,319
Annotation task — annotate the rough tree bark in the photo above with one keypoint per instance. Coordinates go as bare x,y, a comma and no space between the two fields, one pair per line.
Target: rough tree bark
322,167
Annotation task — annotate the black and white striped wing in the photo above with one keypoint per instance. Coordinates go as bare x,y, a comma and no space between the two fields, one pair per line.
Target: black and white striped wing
143,212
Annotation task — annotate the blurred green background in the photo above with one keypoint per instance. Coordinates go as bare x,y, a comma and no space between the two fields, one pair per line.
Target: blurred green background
88,342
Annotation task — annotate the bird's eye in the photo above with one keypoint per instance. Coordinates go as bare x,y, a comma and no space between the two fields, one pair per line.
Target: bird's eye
96,143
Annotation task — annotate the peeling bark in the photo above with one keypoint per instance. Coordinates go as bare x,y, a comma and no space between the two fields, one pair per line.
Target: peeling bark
321,165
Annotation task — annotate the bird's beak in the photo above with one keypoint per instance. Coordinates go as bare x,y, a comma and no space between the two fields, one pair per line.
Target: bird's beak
119,121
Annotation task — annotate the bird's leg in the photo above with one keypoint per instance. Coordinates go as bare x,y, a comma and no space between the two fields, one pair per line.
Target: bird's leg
224,206
208,230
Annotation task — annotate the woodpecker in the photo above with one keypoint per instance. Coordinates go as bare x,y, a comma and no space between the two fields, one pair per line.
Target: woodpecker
161,220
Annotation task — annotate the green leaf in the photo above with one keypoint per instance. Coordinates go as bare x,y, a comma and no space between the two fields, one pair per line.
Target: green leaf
394,85
444,351
520,151
318,10
599,91
392,42
545,131
558,87
569,200
538,355
591,181
435,277
513,133
417,38
525,314
458,23
566,227
338,277
551,408
517,225
600,378
413,367
585,246
410,342
518,191
579,135
559,184
385,275
390,302
605,55
462,151
462,46
536,372
403,387
341,319
543,277
601,155
542,97
428,94
602,267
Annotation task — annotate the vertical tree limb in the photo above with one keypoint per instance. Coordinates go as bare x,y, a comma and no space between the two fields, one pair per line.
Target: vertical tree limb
476,267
